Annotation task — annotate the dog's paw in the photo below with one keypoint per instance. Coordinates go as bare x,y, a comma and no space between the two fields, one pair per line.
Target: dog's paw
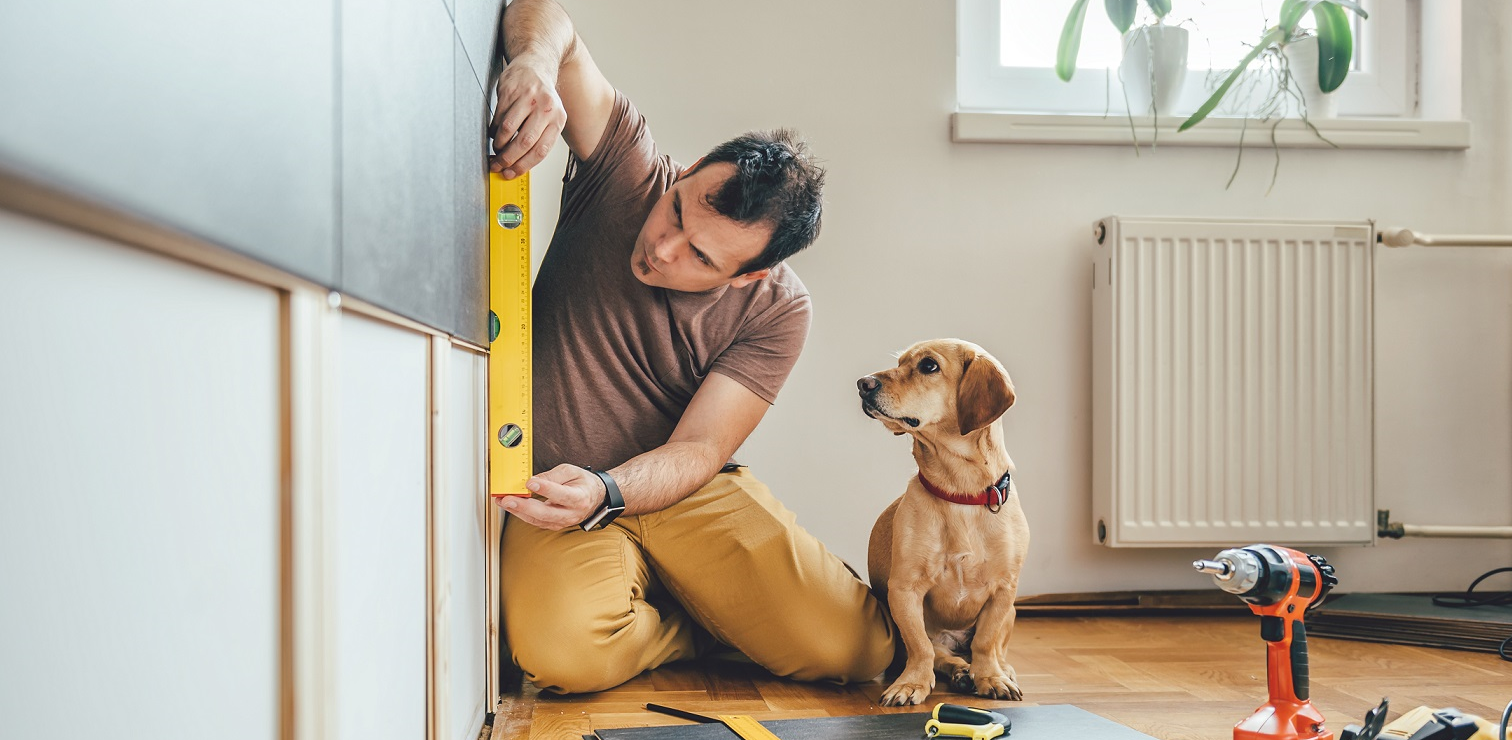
904,693
961,681
998,687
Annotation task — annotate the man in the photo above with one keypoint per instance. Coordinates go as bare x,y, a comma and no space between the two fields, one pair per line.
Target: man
665,324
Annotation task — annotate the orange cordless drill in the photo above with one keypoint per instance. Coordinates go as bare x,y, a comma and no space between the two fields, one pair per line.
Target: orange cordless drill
1280,585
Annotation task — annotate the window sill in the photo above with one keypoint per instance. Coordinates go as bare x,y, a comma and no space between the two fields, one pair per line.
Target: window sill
1346,133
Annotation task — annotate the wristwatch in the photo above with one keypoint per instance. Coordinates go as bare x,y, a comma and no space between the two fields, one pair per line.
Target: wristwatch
613,506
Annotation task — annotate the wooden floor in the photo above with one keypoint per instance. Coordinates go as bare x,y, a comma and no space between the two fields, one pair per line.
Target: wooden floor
1175,678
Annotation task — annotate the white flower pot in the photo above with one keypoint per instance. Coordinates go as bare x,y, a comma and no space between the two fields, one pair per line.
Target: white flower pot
1154,68
1302,57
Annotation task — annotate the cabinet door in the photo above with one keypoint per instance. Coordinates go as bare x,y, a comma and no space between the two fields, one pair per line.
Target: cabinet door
379,548
463,587
139,493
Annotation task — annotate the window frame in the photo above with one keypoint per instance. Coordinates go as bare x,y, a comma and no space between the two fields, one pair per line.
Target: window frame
1379,88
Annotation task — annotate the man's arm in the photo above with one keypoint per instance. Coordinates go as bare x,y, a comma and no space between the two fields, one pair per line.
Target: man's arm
718,419
549,87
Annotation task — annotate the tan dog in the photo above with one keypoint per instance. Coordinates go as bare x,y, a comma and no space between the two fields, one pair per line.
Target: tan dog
947,561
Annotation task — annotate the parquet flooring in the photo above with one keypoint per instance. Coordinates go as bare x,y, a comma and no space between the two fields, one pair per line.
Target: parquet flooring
1171,677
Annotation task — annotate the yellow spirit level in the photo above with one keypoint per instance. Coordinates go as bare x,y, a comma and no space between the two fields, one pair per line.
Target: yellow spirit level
510,460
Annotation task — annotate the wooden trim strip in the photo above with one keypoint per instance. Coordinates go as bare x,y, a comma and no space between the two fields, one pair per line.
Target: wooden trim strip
310,469
438,576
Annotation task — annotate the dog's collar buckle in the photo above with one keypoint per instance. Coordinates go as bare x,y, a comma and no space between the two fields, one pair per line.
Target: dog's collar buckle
997,493
993,497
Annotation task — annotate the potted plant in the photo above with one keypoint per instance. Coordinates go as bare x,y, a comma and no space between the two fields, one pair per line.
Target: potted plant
1302,59
1154,55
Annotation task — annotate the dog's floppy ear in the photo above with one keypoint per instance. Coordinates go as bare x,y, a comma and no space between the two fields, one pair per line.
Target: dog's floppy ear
983,395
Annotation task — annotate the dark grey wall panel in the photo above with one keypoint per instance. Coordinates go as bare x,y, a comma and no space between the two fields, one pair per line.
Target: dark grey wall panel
478,25
215,118
471,194
397,139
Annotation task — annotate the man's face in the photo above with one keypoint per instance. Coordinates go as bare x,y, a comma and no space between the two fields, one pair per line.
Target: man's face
686,245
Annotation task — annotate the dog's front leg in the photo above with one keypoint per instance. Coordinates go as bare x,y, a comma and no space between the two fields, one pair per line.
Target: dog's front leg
991,674
917,678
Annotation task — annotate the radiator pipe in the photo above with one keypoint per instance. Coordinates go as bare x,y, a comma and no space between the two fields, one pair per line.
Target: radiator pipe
1398,237
1385,528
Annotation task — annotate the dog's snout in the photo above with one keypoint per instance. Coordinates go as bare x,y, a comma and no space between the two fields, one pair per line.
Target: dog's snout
868,385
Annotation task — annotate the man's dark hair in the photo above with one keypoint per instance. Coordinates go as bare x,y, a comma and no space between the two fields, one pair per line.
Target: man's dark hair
777,182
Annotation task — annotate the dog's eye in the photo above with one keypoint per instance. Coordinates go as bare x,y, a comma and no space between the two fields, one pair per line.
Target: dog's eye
928,366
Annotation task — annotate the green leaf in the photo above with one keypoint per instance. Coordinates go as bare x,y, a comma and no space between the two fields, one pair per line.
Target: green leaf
1274,35
1293,10
1121,12
1335,45
1070,41
1161,8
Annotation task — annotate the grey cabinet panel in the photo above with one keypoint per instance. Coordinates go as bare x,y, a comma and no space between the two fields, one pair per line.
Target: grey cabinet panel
397,138
214,118
471,199
478,25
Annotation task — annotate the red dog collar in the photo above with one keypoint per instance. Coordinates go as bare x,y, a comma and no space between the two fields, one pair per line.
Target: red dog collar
992,498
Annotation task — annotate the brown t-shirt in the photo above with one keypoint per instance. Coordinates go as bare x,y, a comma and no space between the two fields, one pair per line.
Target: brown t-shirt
616,360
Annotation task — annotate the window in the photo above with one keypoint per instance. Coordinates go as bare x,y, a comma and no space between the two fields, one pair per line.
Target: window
1007,48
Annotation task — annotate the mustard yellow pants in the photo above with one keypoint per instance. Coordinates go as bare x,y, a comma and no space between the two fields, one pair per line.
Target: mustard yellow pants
586,611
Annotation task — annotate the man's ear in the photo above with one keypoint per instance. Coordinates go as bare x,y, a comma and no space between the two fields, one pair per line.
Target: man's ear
983,395
750,277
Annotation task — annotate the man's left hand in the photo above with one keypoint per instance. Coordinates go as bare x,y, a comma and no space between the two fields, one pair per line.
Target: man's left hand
528,117
564,497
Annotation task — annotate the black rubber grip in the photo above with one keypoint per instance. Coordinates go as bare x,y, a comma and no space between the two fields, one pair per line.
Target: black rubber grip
1299,660
958,715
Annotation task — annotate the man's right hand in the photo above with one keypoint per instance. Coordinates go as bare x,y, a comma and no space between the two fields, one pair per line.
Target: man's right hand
528,118
567,495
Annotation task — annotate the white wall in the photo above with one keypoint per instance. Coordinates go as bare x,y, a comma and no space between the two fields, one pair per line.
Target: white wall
925,238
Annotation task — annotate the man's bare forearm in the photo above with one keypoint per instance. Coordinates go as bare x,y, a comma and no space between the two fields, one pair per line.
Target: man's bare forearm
659,478
538,31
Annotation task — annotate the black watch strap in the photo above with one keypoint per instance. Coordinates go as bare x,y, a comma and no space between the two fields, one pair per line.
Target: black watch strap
613,506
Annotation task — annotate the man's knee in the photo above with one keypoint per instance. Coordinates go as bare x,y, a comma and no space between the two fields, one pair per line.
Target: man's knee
562,674
569,653
566,630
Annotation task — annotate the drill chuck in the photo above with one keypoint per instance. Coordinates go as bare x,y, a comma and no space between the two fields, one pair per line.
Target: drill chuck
1213,567
1236,571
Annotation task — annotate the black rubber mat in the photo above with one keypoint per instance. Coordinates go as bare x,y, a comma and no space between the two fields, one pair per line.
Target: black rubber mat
1053,722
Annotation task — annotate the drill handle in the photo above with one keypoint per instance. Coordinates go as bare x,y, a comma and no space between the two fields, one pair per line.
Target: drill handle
1290,648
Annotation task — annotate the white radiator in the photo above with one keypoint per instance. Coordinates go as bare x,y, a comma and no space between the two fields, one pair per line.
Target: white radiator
1232,393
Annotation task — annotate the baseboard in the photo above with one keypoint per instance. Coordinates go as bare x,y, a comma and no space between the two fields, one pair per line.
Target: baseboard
1207,601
